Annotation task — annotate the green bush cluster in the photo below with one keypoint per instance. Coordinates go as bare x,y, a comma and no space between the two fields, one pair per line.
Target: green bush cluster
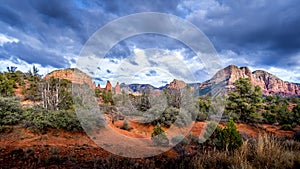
277,111
159,137
107,96
126,125
204,104
180,140
41,120
6,85
247,104
10,111
286,127
227,139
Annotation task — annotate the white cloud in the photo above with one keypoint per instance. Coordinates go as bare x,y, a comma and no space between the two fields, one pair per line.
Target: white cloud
168,65
7,39
284,74
229,57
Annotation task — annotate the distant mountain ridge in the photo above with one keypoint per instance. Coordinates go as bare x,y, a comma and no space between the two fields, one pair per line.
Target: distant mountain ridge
224,78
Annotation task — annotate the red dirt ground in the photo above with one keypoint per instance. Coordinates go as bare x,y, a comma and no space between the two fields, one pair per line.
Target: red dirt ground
79,146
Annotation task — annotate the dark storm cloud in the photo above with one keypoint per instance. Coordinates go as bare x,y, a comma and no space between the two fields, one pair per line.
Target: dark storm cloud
31,55
263,31
10,17
122,7
65,26
266,31
55,26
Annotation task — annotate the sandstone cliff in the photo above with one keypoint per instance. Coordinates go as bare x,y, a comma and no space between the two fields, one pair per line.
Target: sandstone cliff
270,84
177,84
72,74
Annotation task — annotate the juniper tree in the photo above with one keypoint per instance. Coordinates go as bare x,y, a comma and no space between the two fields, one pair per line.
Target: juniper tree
245,101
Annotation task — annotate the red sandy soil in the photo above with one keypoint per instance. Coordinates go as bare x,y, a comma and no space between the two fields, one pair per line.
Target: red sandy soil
79,146
142,131
66,144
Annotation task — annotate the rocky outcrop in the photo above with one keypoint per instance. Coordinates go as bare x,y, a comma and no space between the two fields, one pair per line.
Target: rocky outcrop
108,86
270,84
117,88
177,84
72,74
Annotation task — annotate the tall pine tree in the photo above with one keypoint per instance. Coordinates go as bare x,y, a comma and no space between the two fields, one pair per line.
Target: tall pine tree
245,102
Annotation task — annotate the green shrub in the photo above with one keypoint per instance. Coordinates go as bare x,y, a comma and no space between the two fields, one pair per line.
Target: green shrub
296,114
179,139
203,107
228,138
6,85
10,111
41,120
286,127
6,129
159,137
168,117
209,129
126,125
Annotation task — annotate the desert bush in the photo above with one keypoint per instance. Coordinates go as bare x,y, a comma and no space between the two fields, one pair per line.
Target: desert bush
179,139
183,118
270,153
297,135
126,125
203,106
168,117
6,85
5,129
10,111
41,120
172,115
296,114
286,127
209,129
158,136
230,137
265,152
227,139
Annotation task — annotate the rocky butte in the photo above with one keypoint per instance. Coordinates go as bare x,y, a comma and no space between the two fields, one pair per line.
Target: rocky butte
72,74
177,84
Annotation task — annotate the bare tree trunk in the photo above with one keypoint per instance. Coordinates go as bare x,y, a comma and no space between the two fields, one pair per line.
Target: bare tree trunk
56,94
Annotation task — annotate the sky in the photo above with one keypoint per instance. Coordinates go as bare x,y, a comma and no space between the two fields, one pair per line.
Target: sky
260,34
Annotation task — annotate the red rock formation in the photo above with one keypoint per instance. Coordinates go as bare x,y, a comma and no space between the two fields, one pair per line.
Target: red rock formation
117,88
72,74
269,83
99,87
108,86
177,84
